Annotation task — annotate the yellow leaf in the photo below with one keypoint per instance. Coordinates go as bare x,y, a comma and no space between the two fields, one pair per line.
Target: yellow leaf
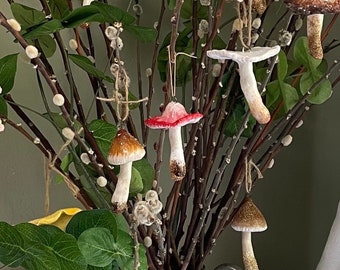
59,218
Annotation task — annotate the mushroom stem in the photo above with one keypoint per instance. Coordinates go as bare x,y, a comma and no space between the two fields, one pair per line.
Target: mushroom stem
314,29
330,259
121,194
177,161
251,93
249,259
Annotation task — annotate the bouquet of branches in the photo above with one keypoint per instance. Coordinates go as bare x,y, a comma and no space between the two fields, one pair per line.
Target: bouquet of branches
224,91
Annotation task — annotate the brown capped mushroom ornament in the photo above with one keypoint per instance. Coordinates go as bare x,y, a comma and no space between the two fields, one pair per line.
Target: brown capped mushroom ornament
123,151
248,219
173,118
315,10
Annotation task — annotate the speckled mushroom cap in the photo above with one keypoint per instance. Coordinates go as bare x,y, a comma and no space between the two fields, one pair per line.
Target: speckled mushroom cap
314,6
249,218
125,148
174,115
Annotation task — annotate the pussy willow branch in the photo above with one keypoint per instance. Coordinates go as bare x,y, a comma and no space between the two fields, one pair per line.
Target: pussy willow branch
52,85
197,94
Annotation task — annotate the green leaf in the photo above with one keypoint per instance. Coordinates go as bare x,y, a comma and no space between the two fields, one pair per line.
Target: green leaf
32,233
48,45
146,171
273,94
103,132
3,106
63,246
44,29
26,16
98,246
81,15
126,260
321,93
64,166
60,121
144,34
282,66
114,14
59,8
8,68
11,242
92,218
289,95
40,257
301,54
235,120
85,64
136,184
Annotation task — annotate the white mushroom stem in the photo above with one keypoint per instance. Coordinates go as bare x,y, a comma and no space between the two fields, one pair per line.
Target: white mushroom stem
251,93
314,29
177,161
330,259
121,194
248,255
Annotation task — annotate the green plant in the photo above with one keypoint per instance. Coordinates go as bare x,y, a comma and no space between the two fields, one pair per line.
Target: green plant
291,83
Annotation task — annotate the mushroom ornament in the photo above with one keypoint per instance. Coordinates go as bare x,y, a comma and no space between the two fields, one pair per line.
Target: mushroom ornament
173,118
245,60
123,151
248,219
315,10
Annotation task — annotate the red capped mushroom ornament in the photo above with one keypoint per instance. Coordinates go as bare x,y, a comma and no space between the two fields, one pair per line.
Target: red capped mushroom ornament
173,118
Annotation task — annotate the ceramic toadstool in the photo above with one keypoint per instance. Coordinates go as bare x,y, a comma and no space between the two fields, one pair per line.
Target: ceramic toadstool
123,151
248,219
245,60
315,10
173,118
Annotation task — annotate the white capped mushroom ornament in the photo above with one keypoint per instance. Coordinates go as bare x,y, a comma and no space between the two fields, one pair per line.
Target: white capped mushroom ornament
173,118
245,60
123,151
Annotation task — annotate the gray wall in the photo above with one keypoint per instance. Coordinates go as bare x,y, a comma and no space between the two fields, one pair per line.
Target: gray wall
298,196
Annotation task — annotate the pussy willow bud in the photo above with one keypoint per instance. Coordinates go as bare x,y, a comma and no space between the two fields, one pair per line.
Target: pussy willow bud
151,195
101,181
14,24
142,214
137,9
68,133
73,44
287,140
32,52
111,32
58,100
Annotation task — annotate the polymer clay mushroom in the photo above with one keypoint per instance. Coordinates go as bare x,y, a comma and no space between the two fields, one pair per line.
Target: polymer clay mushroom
248,219
245,60
173,118
315,10
123,151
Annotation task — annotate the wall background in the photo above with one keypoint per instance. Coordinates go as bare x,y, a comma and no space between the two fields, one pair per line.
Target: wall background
298,196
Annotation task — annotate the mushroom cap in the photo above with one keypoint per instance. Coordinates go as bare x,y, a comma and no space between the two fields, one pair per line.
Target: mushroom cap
174,115
125,148
254,55
249,218
314,6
